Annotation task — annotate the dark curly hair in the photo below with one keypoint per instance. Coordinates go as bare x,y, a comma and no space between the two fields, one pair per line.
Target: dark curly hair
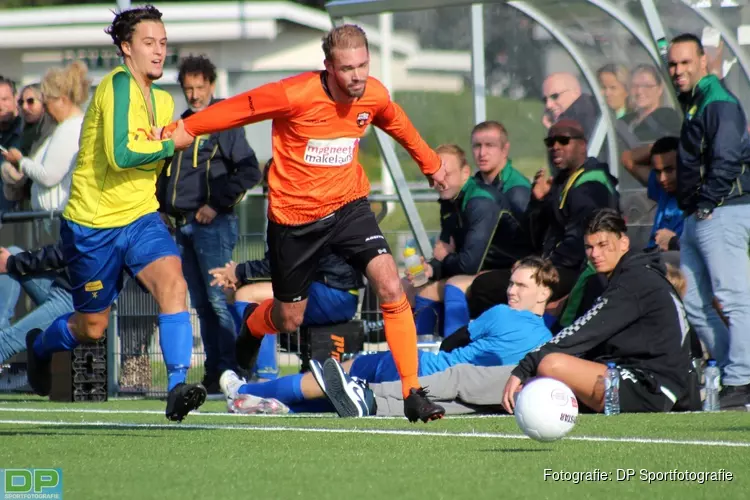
123,26
193,65
606,220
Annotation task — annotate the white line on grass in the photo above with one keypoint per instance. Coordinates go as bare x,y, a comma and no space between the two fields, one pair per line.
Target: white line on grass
210,413
387,432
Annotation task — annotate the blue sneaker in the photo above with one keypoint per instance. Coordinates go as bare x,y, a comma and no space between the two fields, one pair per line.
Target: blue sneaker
317,372
350,396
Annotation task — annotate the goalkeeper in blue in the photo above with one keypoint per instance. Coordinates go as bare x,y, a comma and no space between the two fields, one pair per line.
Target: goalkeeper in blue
111,224
502,335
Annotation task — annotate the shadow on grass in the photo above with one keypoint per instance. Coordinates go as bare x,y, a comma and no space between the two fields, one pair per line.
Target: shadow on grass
82,433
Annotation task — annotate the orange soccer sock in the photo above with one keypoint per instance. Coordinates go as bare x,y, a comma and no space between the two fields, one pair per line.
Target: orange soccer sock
401,335
260,322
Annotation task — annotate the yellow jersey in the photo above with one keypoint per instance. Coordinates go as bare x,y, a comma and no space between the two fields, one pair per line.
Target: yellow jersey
114,180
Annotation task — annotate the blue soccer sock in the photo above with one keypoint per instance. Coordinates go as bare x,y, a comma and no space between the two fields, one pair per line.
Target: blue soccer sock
287,389
427,312
57,337
266,365
237,310
176,341
456,310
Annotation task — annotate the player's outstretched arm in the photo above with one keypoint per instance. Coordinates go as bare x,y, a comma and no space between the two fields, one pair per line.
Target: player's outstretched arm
262,103
125,145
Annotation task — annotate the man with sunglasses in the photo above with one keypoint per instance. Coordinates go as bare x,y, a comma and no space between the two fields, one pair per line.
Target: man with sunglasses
563,99
557,213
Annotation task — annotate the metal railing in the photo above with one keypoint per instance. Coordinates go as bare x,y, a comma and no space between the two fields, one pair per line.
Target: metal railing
135,364
135,360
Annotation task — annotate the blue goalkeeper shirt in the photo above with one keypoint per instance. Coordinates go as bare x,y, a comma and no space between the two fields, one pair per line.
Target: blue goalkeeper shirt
500,336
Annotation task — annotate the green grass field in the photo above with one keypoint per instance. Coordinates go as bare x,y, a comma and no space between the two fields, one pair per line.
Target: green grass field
126,449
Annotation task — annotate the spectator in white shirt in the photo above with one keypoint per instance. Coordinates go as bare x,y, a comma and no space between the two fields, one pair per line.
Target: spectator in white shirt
50,168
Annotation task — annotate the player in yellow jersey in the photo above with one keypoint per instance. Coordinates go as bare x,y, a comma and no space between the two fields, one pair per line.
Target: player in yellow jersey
111,225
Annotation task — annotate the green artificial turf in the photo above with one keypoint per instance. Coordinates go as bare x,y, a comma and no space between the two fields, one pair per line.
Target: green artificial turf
126,449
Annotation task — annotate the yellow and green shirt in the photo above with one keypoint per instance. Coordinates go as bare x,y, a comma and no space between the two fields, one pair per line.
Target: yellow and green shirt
114,181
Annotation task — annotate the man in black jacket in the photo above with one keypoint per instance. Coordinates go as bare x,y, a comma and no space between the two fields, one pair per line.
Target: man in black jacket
713,180
198,192
53,297
557,213
639,323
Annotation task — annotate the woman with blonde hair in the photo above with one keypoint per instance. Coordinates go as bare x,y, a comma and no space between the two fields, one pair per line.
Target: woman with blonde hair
614,80
65,90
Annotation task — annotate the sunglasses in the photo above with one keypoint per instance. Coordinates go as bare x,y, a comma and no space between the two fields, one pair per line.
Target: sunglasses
29,101
562,139
552,97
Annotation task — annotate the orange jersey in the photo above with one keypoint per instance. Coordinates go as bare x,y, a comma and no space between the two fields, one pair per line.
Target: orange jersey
315,141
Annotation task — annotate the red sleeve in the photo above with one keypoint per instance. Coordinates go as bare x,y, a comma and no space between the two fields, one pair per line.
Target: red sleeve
394,121
262,103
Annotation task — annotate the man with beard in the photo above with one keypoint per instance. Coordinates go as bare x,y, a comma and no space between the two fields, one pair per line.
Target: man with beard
111,224
318,194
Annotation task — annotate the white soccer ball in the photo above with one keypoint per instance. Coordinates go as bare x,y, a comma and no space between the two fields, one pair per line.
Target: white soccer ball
546,409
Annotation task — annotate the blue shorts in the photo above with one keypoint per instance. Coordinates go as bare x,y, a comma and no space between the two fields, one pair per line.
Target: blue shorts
378,367
96,258
327,306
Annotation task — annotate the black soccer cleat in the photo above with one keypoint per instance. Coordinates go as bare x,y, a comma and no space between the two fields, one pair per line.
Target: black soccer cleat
37,369
184,398
417,406
247,345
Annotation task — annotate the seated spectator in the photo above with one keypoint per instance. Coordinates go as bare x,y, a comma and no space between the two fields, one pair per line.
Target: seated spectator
655,167
333,298
557,213
491,146
469,214
50,170
502,336
563,99
614,80
53,297
511,241
639,323
650,119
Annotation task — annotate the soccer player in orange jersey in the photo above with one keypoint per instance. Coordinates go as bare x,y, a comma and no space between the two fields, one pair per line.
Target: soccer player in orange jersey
318,190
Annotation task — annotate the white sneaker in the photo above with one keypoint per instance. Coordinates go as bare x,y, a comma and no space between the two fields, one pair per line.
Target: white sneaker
247,404
230,383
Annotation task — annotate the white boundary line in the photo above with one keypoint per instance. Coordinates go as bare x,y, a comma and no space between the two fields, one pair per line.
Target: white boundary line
387,432
213,413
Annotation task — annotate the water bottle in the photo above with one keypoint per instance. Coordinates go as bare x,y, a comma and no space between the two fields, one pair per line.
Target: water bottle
415,267
711,403
612,390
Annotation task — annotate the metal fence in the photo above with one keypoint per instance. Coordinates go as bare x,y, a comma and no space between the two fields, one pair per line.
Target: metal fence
135,363
135,359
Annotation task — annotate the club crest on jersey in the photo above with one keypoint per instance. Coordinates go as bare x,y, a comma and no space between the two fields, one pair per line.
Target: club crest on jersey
362,119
